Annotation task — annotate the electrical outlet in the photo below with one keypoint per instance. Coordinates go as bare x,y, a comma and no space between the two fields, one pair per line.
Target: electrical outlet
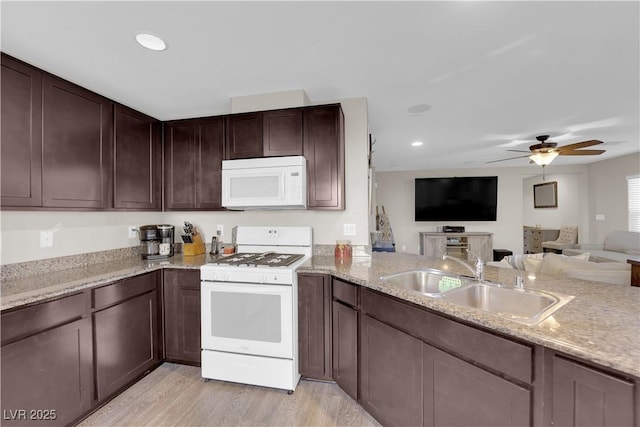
349,230
599,217
220,229
133,231
46,239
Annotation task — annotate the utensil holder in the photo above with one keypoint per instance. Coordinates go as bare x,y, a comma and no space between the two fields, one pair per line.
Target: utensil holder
195,248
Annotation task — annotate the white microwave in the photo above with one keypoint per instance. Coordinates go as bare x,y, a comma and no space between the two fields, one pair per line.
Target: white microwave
265,183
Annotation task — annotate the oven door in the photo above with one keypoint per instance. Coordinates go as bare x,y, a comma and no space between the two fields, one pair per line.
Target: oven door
247,318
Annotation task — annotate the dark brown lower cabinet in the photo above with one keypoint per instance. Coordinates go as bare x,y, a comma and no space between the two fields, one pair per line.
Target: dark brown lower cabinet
345,348
583,396
47,378
457,393
390,374
181,292
126,342
314,325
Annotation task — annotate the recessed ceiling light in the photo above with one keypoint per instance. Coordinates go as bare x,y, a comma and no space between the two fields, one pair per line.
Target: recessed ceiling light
416,143
418,109
150,41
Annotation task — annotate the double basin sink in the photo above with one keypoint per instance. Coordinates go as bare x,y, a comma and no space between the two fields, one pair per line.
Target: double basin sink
523,306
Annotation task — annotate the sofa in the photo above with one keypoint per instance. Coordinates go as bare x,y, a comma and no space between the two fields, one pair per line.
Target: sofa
574,267
618,246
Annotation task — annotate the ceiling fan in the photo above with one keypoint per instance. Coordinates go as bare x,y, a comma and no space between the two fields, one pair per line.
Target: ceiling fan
545,151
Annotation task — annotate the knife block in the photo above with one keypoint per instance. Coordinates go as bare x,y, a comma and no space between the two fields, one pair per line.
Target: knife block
195,248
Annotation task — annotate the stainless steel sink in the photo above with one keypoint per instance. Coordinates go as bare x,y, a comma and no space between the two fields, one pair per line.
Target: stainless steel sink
523,306
428,281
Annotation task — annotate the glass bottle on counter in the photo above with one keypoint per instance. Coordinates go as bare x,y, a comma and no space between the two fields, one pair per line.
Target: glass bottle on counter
343,249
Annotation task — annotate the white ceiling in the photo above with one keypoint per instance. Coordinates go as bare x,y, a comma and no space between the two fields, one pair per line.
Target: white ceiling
491,72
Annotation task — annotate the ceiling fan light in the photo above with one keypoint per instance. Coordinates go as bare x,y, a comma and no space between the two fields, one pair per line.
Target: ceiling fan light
543,159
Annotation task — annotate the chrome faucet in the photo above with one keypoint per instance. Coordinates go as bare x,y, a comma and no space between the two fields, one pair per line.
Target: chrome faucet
478,273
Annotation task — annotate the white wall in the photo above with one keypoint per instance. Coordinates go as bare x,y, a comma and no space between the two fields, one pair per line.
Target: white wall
572,202
395,190
608,195
82,232
583,192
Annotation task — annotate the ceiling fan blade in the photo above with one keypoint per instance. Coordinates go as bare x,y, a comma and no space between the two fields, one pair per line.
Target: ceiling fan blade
579,145
510,158
519,151
581,152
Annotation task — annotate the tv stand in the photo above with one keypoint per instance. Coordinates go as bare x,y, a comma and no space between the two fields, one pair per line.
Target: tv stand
435,245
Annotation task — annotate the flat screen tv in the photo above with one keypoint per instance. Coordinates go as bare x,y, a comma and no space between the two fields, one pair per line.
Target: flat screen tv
470,198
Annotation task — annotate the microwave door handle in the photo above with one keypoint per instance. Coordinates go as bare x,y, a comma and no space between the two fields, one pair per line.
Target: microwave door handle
285,177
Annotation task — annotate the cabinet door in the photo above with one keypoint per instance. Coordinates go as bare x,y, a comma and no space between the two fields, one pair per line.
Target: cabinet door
126,343
434,246
345,348
536,241
391,374
314,325
137,161
282,132
181,290
324,150
50,371
457,393
244,136
481,246
180,165
584,396
526,241
76,146
21,134
209,155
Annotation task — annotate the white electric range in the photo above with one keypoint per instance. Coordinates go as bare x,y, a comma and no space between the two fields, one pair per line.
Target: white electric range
249,304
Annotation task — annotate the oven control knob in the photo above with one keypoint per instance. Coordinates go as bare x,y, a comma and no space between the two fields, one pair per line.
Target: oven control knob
225,277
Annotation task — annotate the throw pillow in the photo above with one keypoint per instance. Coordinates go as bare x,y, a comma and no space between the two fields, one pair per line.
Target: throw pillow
584,256
558,265
518,261
532,263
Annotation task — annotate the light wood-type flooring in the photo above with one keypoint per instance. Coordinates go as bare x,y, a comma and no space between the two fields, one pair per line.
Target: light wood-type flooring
176,395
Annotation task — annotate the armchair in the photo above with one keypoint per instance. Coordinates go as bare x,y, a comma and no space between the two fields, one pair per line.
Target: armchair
566,240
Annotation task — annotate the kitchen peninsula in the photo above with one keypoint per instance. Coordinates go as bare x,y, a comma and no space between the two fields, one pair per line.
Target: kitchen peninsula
595,334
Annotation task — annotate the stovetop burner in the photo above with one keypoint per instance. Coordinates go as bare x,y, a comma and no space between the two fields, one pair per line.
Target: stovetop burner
266,259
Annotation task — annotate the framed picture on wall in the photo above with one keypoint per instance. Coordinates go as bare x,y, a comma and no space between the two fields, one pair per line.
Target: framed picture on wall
545,195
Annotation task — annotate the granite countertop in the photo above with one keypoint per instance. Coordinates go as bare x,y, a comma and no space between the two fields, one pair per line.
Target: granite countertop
601,324
29,289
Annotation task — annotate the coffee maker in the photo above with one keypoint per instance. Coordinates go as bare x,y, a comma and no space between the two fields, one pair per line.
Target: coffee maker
156,241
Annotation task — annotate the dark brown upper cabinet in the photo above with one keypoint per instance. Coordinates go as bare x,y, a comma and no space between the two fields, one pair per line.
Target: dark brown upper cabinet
282,132
21,134
193,153
244,136
77,146
137,150
324,151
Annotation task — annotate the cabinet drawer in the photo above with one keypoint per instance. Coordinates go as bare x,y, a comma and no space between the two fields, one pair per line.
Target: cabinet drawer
124,289
30,320
492,351
345,292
